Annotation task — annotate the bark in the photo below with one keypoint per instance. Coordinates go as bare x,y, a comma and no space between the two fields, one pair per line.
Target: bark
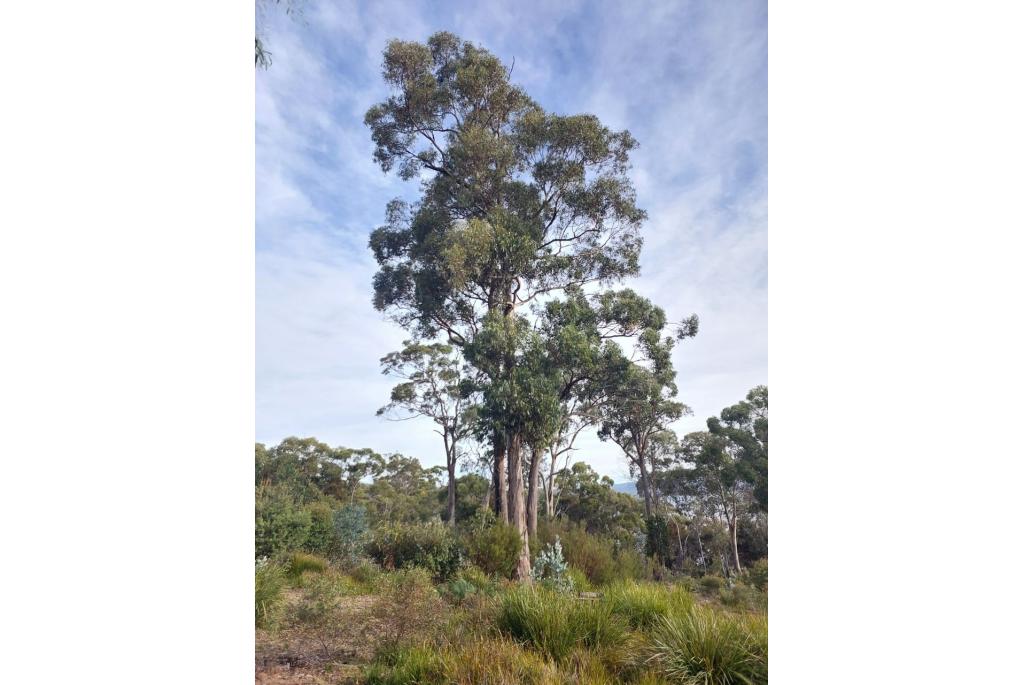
531,495
735,546
500,487
451,491
517,505
645,485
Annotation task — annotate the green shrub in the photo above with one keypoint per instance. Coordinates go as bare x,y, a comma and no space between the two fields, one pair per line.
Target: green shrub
365,572
320,537
741,596
282,525
350,533
409,609
456,590
598,558
550,569
426,545
642,605
301,562
493,546
478,579
711,583
270,582
555,624
757,574
709,647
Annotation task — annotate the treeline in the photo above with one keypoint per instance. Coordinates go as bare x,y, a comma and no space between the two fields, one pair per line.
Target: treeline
708,492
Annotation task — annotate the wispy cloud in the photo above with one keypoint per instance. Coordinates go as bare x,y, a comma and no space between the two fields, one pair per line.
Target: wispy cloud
688,79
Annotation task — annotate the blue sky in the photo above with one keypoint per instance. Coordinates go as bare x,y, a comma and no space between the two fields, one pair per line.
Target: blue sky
689,80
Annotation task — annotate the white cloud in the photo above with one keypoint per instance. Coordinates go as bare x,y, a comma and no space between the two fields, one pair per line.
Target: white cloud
688,79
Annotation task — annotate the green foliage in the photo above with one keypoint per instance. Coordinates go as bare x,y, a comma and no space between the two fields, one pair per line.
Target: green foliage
408,665
456,590
478,578
656,544
597,558
350,532
555,624
757,574
431,546
493,545
707,647
408,609
301,562
496,661
711,583
282,525
588,499
551,570
320,538
365,572
642,605
270,582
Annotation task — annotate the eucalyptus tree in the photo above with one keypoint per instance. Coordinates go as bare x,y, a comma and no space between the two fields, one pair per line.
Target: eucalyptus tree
718,476
745,426
517,205
436,384
639,406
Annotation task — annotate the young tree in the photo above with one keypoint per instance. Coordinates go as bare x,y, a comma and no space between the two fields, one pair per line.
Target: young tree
638,407
718,474
745,426
436,385
517,204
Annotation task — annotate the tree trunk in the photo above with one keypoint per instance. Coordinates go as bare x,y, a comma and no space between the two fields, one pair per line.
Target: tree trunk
451,488
645,485
735,546
517,505
531,495
500,487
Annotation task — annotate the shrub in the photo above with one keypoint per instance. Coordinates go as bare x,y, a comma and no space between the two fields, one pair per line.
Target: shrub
705,646
365,572
757,574
427,545
301,562
740,596
555,624
480,580
457,590
409,609
493,545
711,583
270,582
551,570
643,605
350,533
281,524
317,612
320,537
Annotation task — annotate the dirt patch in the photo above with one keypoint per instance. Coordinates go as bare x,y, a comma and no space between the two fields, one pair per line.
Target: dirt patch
294,654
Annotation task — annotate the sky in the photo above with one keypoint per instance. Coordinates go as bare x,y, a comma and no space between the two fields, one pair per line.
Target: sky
688,79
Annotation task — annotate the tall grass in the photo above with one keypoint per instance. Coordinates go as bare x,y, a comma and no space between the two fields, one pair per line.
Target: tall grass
270,582
642,605
555,624
302,562
421,665
706,647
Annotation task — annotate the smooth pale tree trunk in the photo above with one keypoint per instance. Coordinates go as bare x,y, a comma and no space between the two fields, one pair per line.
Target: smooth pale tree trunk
517,505
531,495
500,484
645,485
735,546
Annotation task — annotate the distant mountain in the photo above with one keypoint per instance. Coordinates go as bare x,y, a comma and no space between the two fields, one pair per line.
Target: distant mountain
628,488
